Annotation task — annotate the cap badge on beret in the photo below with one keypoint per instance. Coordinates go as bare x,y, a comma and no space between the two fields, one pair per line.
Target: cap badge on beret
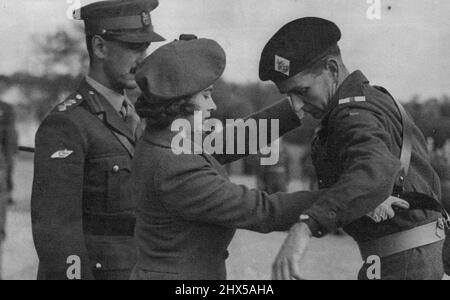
282,65
146,20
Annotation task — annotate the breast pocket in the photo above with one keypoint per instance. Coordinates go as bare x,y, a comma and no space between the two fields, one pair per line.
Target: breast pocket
110,177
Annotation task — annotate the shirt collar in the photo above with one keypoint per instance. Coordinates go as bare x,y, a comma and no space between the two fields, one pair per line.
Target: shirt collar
114,98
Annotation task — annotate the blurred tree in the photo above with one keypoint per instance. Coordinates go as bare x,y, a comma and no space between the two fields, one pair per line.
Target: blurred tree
63,52
40,93
60,59
445,107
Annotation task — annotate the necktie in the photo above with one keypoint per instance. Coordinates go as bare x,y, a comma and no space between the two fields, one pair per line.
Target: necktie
131,118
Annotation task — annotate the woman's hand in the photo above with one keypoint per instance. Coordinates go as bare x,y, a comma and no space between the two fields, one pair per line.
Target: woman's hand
386,210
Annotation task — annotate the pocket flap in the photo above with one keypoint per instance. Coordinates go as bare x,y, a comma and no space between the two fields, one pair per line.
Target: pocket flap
113,163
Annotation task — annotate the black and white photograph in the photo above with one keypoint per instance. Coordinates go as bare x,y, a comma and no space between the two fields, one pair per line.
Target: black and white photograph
224,145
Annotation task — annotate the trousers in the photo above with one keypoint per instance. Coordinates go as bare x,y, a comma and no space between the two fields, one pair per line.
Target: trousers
423,263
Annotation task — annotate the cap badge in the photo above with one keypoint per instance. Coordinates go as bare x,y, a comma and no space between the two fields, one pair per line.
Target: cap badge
146,20
282,65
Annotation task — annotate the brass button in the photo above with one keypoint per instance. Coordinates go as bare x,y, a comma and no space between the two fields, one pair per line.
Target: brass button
98,265
116,169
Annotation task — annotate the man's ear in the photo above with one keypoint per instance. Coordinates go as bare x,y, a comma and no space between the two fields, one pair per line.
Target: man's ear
332,65
99,47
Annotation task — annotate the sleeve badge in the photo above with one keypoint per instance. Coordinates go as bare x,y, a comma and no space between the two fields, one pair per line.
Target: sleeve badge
352,99
62,154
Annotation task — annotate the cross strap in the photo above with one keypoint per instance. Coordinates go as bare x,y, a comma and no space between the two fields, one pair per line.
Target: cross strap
416,200
407,133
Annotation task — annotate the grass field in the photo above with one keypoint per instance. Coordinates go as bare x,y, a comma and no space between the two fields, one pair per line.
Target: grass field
334,257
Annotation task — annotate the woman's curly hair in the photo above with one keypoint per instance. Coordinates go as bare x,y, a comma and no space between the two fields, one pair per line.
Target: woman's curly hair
160,114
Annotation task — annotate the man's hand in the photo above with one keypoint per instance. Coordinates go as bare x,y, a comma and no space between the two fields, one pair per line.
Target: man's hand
287,263
386,210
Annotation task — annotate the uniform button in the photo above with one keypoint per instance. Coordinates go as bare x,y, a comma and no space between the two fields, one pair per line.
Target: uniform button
91,93
332,215
79,97
98,265
116,169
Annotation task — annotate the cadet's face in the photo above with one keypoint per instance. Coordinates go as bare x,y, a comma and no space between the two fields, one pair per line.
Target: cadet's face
203,102
314,91
121,61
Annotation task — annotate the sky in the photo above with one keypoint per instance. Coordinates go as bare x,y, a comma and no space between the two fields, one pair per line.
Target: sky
405,50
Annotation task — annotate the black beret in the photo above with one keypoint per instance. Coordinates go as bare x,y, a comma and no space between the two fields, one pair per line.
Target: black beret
127,20
181,68
297,46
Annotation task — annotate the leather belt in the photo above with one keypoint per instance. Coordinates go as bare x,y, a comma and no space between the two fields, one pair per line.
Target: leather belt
403,241
108,226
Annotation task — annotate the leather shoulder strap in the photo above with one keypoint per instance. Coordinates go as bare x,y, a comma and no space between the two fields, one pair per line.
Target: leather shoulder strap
407,133
416,201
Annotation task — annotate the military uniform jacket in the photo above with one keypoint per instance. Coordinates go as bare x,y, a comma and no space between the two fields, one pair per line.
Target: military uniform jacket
81,204
188,209
357,157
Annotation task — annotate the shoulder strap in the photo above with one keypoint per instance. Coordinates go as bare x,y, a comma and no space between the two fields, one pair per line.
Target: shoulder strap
416,201
405,156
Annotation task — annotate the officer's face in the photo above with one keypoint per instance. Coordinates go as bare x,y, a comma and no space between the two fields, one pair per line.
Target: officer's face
205,104
121,61
312,90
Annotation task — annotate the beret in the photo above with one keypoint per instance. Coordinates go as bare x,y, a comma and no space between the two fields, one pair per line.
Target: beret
296,46
127,20
181,68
